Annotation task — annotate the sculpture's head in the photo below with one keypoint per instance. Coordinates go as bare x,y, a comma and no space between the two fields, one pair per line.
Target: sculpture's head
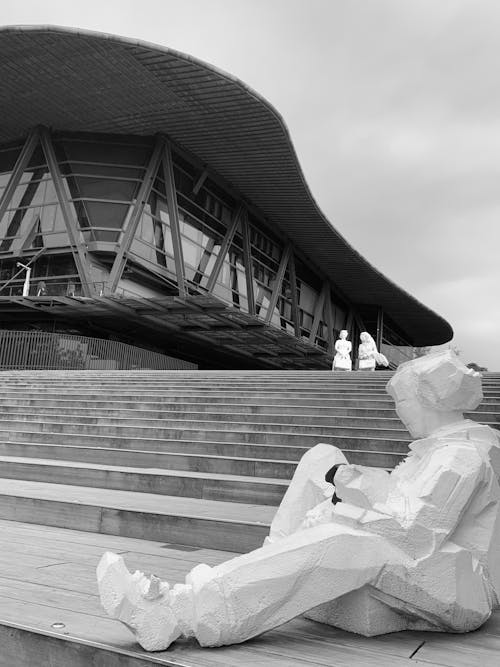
365,337
343,333
434,390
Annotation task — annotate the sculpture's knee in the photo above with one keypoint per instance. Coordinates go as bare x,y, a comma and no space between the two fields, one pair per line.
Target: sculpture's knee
325,451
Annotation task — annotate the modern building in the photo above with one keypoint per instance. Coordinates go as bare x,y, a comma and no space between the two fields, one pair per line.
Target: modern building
149,198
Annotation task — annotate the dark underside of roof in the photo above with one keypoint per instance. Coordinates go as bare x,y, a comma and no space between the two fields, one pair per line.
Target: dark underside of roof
197,328
80,81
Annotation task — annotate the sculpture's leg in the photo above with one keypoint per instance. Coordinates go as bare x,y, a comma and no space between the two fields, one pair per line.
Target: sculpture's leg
250,594
306,490
445,592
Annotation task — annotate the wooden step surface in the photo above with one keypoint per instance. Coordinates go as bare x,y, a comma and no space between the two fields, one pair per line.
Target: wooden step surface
50,615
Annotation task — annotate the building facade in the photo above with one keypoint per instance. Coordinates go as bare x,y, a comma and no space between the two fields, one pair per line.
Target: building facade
149,198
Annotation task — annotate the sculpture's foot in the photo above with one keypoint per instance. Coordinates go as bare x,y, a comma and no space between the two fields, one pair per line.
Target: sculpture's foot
142,603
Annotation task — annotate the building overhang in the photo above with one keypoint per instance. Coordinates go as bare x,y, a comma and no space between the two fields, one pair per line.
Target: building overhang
74,80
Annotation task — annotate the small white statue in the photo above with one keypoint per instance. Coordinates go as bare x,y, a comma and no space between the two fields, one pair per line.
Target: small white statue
343,348
368,355
415,548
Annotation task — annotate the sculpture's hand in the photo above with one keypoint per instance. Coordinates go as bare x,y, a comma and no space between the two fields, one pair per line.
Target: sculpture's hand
347,473
322,513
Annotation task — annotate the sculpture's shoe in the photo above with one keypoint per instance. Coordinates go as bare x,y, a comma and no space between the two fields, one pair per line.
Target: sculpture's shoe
142,603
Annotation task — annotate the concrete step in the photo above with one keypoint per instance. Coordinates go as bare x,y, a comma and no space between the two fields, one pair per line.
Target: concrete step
212,486
143,454
223,431
358,417
314,384
129,393
201,419
280,469
173,410
163,402
280,451
212,524
258,405
209,376
482,414
252,467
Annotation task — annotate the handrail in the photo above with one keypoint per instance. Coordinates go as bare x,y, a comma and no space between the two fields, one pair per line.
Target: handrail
43,350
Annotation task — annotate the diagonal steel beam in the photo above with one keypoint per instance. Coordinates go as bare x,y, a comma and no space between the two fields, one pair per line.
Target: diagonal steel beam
203,263
329,317
199,183
135,214
279,282
247,259
77,244
294,295
18,217
224,248
21,163
173,214
318,314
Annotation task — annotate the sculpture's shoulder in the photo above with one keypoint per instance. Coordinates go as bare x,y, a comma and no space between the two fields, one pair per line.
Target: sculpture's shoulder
450,450
483,438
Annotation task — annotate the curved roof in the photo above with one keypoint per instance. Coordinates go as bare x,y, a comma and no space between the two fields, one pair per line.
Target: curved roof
84,81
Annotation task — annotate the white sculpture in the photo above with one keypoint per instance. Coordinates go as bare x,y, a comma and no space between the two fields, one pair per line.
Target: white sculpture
368,355
415,548
343,348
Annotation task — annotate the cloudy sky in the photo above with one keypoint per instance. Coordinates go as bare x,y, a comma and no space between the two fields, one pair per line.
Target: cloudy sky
394,110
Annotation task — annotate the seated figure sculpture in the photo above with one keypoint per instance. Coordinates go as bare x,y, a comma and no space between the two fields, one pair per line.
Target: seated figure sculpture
368,355
343,347
416,548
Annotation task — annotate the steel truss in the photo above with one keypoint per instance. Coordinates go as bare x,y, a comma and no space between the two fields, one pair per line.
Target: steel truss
161,163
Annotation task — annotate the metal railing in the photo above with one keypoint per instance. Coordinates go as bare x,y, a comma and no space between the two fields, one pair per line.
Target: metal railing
41,350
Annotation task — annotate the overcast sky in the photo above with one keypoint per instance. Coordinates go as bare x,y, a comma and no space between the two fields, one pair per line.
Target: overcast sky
394,110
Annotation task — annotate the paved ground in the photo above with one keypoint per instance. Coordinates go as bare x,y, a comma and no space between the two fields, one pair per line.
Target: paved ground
48,593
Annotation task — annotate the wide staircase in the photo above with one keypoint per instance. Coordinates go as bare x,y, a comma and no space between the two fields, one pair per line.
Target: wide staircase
191,458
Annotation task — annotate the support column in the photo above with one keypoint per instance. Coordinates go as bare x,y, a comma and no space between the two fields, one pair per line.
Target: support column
224,248
173,214
199,183
318,314
78,247
294,295
247,258
19,168
279,282
135,215
329,317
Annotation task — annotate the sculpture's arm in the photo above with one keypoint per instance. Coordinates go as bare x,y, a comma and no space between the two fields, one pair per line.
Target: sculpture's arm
437,498
417,515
